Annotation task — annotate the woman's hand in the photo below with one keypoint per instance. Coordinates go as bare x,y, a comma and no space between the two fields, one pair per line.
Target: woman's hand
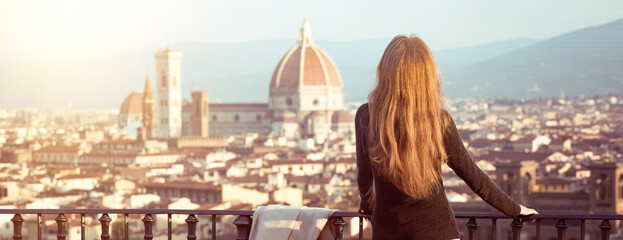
527,211
361,211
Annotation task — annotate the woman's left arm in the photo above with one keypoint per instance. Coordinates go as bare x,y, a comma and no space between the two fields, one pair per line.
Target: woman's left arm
365,179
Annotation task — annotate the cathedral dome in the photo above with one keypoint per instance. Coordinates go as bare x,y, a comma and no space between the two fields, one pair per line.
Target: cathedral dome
306,64
133,104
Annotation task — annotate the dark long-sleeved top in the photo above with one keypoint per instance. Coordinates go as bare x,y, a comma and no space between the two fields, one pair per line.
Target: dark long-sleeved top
396,215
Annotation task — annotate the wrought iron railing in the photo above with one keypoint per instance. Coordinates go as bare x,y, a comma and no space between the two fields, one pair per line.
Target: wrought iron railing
244,220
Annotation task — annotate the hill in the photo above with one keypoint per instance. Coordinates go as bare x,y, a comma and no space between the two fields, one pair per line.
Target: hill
587,61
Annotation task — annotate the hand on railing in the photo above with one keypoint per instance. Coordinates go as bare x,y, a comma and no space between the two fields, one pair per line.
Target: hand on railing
366,212
527,211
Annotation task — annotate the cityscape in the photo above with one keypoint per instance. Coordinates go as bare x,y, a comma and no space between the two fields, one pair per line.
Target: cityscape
162,148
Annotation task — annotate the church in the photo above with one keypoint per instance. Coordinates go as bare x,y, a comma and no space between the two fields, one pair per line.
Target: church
306,100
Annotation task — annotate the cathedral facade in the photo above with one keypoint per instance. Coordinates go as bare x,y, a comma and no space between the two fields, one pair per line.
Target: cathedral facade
306,99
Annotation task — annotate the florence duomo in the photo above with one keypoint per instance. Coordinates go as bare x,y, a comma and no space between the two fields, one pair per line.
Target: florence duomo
306,101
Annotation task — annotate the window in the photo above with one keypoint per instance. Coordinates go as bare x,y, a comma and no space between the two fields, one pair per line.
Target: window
236,118
258,118
164,81
214,118
289,101
315,102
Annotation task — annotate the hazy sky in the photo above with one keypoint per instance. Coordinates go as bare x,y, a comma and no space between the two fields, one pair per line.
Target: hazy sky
43,30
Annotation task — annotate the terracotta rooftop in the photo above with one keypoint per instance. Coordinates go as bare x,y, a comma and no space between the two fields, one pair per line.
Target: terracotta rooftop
306,64
184,185
61,149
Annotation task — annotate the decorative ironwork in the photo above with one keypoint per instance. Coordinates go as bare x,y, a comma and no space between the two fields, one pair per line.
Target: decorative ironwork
244,221
61,221
192,227
562,227
148,220
472,225
17,226
243,224
105,221
339,228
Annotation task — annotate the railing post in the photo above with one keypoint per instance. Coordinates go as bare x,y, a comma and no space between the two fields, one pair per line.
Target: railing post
39,223
61,220
192,225
169,227
82,227
105,221
538,229
243,224
582,229
148,220
605,229
494,228
516,228
339,228
562,228
472,225
17,226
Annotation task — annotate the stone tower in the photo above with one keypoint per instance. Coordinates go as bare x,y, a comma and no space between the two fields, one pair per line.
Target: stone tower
606,188
149,111
168,93
517,179
199,117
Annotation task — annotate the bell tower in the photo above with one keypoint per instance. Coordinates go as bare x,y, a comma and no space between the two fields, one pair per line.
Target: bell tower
168,93
517,179
606,188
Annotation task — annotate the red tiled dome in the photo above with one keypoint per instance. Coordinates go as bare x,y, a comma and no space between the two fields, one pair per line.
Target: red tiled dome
133,104
306,64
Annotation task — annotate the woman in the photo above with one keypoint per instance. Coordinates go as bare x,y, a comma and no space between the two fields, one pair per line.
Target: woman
403,137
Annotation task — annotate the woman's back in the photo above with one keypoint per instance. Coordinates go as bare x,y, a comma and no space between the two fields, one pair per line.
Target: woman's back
397,215
404,135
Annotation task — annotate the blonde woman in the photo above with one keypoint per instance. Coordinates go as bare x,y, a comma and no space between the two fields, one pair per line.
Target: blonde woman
404,135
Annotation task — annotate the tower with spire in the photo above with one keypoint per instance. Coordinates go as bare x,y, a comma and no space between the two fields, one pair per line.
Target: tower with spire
149,111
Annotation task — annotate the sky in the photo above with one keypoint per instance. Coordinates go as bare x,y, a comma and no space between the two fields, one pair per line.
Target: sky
54,53
62,29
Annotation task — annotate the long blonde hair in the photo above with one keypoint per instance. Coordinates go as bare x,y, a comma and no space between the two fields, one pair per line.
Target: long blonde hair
406,118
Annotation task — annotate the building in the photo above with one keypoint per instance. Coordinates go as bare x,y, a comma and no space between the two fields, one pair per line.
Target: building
199,117
305,100
125,159
148,131
58,154
10,154
168,93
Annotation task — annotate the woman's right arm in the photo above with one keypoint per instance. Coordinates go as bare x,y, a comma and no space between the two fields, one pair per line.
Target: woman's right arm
464,167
